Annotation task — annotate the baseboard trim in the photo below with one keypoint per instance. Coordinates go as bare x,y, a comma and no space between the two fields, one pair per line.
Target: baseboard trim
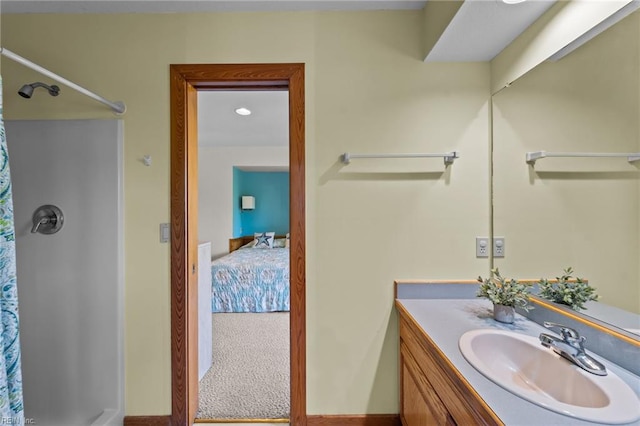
312,420
231,421
354,420
147,421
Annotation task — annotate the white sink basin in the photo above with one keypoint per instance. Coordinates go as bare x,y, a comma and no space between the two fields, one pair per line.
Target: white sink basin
520,364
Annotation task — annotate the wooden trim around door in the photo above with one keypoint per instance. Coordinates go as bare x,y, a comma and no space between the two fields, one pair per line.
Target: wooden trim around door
185,81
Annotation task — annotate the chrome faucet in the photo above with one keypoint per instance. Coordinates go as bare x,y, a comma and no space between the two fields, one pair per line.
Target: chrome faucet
571,347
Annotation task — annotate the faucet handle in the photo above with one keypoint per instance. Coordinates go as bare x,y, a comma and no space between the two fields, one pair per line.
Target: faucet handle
566,332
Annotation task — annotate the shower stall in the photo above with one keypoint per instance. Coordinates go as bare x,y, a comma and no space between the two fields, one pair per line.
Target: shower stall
70,268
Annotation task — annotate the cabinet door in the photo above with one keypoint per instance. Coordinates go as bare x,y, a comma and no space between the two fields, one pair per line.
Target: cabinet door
415,411
420,404
445,397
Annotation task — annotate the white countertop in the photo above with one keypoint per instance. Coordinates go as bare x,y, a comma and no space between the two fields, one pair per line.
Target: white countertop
445,320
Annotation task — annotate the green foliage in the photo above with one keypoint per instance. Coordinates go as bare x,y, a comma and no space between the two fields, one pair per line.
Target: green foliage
573,294
503,291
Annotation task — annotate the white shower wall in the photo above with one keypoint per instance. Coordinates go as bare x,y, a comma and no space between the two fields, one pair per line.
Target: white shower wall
70,284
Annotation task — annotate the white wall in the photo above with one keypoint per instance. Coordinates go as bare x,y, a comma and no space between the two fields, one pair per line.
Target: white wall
70,284
215,188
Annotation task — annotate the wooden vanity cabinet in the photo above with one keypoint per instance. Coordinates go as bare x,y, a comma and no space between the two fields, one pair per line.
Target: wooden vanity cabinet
432,391
421,405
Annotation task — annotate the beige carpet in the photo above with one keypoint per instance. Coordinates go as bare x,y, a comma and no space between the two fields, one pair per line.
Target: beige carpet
249,378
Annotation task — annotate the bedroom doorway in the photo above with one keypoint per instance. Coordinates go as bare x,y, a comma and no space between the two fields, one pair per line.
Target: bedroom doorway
186,81
243,293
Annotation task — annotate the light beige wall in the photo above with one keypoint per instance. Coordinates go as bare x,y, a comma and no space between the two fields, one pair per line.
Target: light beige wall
367,90
215,188
573,212
127,57
374,222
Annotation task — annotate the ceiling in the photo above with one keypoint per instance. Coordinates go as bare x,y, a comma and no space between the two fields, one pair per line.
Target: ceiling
483,28
186,6
219,125
478,32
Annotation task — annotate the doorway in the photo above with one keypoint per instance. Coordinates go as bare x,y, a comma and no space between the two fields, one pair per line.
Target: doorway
243,353
186,80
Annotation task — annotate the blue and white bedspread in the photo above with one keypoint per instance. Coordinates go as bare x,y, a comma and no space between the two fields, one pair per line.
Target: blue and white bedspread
251,280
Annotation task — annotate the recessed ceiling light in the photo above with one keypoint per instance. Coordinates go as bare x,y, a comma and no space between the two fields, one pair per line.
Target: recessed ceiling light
513,1
243,111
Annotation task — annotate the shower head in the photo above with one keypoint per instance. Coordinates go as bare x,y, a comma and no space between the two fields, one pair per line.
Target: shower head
27,90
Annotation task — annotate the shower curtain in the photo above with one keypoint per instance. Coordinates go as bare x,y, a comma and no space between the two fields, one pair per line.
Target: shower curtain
11,408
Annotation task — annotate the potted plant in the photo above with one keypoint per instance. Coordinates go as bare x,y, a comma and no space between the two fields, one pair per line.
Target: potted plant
567,291
506,295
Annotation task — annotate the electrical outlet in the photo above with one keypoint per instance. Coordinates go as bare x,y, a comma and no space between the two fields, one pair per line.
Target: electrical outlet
498,247
482,247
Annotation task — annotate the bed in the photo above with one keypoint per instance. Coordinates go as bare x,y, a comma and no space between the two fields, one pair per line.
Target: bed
250,279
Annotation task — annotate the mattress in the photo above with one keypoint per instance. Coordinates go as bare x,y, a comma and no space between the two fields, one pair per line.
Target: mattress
251,280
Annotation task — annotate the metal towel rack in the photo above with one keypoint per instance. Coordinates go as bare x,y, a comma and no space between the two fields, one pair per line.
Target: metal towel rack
449,157
536,155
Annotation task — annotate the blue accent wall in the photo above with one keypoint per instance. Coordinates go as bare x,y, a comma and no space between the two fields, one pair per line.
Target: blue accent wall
271,192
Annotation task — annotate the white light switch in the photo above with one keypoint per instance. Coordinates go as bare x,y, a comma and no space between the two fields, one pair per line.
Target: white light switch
164,232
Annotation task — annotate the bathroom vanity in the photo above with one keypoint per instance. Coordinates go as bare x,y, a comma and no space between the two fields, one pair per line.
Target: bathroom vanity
431,389
437,384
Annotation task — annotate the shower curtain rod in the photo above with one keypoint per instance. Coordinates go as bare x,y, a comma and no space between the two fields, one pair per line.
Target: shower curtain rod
118,107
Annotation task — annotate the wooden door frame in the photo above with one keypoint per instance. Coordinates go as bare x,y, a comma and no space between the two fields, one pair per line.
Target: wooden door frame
185,81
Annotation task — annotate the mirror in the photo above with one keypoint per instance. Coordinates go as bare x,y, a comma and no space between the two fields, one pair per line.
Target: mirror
578,212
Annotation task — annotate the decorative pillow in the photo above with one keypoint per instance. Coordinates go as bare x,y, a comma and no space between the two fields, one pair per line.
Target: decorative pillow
264,239
287,242
280,243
